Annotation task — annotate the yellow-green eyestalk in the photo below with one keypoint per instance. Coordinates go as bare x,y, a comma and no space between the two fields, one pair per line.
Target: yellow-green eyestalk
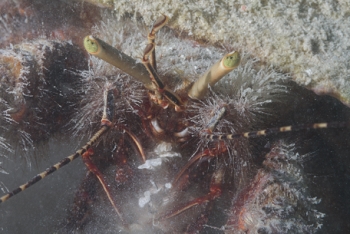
229,62
104,51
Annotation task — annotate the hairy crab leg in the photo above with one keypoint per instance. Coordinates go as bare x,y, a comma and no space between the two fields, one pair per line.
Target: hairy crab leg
108,111
104,51
229,62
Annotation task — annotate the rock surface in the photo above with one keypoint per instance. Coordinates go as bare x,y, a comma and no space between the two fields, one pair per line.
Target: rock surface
308,39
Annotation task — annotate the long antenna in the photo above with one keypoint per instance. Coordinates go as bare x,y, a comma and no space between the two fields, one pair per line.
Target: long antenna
214,152
57,166
271,131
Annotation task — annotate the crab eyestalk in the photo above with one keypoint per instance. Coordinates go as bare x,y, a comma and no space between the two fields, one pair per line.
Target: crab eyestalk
104,51
229,62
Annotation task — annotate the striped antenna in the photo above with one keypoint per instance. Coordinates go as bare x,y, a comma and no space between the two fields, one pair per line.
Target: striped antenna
271,131
219,149
57,166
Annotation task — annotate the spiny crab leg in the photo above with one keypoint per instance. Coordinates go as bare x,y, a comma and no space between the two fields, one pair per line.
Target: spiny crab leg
214,192
229,62
219,148
160,22
104,51
91,166
135,140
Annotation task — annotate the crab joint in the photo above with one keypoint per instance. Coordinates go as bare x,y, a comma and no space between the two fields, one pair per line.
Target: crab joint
106,52
160,22
229,62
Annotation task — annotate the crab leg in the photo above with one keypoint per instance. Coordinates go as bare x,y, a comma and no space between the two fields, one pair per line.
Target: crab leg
135,140
91,166
207,153
104,51
229,62
108,113
214,192
123,170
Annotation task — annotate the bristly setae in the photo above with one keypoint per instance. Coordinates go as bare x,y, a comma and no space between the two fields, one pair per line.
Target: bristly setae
176,187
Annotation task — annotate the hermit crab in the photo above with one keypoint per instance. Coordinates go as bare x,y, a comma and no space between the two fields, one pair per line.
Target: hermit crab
171,151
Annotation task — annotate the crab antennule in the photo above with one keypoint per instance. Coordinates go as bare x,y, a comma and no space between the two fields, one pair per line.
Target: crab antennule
104,51
57,166
162,89
270,131
152,72
160,22
229,62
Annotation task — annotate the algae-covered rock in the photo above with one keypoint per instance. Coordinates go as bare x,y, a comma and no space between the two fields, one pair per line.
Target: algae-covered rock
308,39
